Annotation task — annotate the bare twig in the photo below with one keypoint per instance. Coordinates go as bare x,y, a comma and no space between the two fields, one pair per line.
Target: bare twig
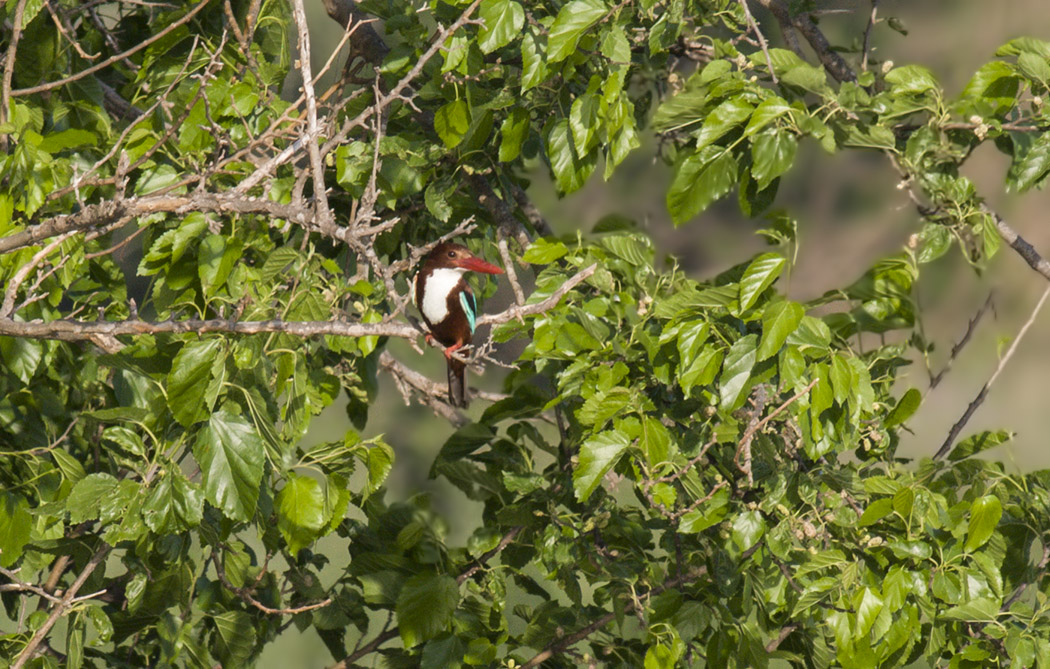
867,35
977,401
539,307
567,641
245,594
760,37
20,276
9,67
312,131
970,327
60,609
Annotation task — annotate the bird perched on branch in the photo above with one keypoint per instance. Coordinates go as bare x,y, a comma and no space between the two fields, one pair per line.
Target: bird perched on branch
447,303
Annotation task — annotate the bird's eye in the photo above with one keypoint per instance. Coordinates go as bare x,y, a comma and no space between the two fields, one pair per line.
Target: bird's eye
451,254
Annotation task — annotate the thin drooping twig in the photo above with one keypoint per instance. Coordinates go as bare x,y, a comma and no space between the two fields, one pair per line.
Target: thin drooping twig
245,594
753,25
970,328
62,607
323,213
629,607
109,61
977,401
867,35
23,272
388,634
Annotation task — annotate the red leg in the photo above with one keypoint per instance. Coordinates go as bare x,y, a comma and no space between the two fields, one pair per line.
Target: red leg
452,349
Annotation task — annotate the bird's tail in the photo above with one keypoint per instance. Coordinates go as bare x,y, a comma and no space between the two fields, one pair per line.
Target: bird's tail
456,384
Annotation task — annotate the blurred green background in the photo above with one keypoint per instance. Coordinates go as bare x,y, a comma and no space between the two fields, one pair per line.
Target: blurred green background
850,213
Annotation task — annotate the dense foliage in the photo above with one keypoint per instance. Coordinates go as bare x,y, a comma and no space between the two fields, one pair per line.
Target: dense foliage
676,473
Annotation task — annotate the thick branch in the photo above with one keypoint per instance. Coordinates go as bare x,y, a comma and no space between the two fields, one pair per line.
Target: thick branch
835,64
71,330
1019,244
104,213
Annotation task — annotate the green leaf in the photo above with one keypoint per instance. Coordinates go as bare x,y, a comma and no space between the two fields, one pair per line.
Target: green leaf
748,528
452,122
976,443
236,637
503,22
722,119
534,67
16,525
876,511
907,405
512,134
1034,67
699,180
736,371
1031,167
765,113
912,79
71,468
655,441
174,505
230,454
544,252
810,333
572,21
984,518
778,321
68,139
193,368
868,610
570,170
21,356
597,455
425,607
772,154
982,609
996,81
300,511
217,257
758,276
86,497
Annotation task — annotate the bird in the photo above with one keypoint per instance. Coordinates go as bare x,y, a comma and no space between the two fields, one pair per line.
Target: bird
447,303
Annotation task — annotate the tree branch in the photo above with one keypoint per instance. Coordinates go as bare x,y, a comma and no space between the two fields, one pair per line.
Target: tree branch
835,64
977,401
62,607
109,61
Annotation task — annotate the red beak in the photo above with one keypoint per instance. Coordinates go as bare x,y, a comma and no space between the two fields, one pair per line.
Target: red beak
478,265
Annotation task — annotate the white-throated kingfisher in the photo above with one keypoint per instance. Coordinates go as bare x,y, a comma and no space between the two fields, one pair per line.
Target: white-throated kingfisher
442,295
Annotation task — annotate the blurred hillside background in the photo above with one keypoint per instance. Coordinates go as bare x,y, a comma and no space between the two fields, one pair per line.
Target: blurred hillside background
850,213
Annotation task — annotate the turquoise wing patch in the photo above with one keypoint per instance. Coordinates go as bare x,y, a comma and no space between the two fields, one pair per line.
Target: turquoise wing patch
469,308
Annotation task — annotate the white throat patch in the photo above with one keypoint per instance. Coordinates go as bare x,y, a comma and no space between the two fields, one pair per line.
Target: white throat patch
438,286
